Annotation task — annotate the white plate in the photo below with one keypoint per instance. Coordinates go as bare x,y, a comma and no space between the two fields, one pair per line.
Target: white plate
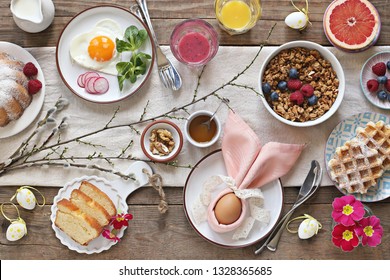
84,22
367,74
213,164
346,130
101,243
35,107
117,190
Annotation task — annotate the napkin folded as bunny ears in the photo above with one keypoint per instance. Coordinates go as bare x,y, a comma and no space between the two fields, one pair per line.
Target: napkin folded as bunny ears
249,166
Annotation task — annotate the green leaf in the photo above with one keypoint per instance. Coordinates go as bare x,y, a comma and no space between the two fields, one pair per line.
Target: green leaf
122,46
140,38
133,78
121,80
135,67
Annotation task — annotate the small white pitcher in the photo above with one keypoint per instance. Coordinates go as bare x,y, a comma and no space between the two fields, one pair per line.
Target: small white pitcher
32,15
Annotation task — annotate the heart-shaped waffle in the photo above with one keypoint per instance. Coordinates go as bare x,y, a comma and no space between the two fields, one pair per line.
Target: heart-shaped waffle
356,167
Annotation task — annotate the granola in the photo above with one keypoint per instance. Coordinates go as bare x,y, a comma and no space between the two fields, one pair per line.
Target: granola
313,69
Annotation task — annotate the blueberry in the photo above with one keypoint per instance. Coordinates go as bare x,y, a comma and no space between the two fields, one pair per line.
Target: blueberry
274,96
388,65
382,79
293,73
382,95
266,87
282,85
312,100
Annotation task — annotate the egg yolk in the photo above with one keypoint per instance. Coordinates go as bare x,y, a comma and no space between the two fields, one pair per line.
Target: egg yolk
101,48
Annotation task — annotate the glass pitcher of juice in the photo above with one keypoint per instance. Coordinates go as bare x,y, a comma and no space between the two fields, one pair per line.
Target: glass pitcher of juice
237,16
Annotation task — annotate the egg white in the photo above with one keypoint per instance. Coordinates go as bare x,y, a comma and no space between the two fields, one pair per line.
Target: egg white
79,47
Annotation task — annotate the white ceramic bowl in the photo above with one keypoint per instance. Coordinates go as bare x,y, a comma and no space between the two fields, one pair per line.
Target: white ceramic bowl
202,144
326,54
177,137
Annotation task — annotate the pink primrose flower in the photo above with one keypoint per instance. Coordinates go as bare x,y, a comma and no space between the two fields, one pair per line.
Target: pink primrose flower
345,237
347,210
370,230
120,220
110,235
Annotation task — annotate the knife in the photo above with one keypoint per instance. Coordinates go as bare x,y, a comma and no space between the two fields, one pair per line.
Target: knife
310,180
303,191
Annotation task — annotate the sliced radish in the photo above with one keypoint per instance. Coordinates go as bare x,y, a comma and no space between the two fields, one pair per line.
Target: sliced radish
89,85
80,81
88,75
101,85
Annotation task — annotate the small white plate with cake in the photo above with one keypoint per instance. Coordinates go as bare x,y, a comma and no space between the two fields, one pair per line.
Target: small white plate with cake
18,108
83,209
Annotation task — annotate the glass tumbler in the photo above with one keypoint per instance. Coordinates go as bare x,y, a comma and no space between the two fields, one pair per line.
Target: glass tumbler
194,42
237,16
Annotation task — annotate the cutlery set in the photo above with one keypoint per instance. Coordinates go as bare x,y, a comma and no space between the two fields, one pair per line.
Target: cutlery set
307,190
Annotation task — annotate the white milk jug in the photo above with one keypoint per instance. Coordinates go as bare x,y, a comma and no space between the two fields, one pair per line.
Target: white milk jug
32,15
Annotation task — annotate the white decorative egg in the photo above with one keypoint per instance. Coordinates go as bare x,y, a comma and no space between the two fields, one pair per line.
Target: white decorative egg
296,20
308,228
26,198
16,230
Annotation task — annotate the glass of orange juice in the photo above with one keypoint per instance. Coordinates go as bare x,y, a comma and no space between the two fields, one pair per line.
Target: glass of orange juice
237,16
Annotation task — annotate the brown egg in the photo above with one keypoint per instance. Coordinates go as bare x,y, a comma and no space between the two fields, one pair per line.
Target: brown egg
228,209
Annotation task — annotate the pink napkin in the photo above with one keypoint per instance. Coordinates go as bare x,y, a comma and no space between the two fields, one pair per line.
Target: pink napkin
250,164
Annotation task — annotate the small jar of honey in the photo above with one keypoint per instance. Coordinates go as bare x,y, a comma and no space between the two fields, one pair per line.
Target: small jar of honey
198,132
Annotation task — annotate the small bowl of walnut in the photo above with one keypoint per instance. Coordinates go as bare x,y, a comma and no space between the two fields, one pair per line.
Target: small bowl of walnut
161,141
302,83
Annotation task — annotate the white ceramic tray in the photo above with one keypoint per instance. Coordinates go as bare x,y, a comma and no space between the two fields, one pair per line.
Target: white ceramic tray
117,190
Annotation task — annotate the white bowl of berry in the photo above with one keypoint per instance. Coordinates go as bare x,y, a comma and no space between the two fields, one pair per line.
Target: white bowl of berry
302,83
375,80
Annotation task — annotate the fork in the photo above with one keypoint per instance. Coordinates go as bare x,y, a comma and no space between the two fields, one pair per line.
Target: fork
167,72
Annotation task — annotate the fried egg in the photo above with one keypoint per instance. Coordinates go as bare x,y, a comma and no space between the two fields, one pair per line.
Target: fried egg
96,49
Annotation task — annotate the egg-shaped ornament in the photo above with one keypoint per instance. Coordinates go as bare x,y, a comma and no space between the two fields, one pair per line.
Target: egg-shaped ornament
16,230
297,20
26,198
308,228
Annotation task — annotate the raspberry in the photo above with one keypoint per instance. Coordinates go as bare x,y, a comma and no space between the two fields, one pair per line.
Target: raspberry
372,85
297,97
30,70
34,86
307,90
387,85
379,69
294,84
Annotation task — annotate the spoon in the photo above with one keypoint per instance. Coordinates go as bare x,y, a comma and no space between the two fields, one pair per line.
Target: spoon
208,122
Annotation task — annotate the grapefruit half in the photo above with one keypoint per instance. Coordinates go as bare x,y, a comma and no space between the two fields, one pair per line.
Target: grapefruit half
352,25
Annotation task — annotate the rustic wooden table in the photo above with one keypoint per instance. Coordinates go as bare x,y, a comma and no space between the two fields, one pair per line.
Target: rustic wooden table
170,236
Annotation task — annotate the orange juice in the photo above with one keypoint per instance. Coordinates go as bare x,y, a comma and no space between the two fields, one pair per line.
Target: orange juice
235,14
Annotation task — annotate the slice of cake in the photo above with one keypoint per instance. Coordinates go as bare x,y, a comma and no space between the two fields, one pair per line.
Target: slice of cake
100,197
90,207
78,225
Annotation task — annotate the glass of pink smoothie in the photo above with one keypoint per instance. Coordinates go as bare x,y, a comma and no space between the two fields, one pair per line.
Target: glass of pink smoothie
194,42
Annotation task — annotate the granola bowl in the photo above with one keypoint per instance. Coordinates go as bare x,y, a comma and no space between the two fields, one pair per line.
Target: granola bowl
161,141
302,83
